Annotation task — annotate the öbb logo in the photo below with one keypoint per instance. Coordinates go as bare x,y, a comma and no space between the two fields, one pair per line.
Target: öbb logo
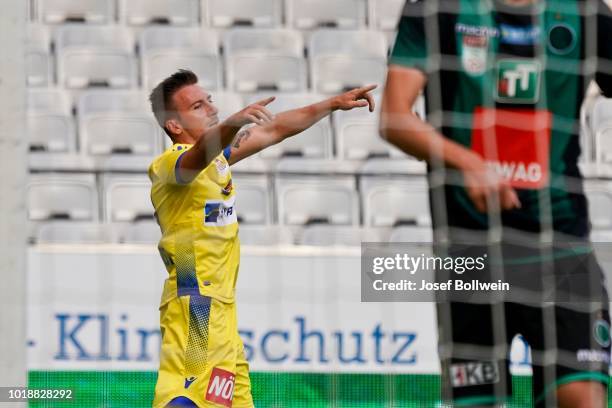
221,387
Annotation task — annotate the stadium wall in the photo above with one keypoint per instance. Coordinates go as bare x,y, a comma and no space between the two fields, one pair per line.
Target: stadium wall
93,327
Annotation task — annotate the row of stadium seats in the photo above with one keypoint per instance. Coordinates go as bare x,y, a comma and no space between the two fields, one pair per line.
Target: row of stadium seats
148,232
302,14
253,59
299,200
287,199
113,122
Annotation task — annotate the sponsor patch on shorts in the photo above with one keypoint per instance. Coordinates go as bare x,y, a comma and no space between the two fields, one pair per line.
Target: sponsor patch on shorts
474,373
220,389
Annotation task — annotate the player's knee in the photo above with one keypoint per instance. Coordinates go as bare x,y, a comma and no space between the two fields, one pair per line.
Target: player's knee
181,402
582,394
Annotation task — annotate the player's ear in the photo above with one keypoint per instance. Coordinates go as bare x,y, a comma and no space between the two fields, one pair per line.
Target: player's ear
174,127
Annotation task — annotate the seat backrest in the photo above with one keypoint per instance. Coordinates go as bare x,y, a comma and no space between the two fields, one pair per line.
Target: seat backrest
263,42
62,196
253,203
256,13
389,201
309,199
113,37
154,38
174,12
599,196
50,125
127,198
76,232
89,11
351,43
385,14
309,14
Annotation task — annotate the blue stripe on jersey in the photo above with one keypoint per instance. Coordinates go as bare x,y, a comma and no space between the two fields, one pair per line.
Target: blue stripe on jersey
196,352
227,152
186,279
177,165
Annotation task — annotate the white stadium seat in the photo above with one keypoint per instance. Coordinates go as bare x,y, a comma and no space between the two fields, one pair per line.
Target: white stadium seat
50,126
391,201
62,196
265,235
66,232
385,14
358,139
314,142
264,59
309,14
334,235
357,135
95,56
601,125
253,202
410,233
173,12
116,122
256,13
89,11
599,196
342,59
38,57
227,103
141,232
164,50
305,200
127,198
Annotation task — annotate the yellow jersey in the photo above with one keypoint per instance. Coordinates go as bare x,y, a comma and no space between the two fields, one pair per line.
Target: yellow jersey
199,243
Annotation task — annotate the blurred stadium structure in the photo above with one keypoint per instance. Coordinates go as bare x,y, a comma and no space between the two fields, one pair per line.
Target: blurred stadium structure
93,273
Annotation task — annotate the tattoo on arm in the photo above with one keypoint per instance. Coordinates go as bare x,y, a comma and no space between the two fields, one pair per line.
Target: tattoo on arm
240,137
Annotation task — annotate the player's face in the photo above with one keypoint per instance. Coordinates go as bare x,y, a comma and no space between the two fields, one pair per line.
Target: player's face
195,110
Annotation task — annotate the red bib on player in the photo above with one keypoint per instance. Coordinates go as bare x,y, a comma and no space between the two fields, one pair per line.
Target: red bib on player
515,143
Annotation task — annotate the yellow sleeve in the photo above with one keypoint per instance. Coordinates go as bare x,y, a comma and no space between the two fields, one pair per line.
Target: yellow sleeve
165,168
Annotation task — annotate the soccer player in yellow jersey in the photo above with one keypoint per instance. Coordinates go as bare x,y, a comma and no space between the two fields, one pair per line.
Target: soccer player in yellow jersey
202,362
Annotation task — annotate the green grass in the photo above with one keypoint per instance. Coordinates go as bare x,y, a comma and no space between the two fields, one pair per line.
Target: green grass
270,390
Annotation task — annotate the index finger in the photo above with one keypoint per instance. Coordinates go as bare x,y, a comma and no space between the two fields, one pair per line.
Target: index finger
265,101
367,88
370,100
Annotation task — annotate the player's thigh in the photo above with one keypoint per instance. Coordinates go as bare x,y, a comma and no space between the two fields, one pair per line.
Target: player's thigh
227,360
581,342
475,367
242,395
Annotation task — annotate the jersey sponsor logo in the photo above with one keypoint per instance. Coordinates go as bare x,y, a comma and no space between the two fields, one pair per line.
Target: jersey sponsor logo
518,172
518,81
515,144
221,165
474,54
519,35
562,39
474,373
220,388
601,332
592,356
218,212
479,31
189,381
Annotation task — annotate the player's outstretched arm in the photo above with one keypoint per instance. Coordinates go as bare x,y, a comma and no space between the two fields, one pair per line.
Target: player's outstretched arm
402,128
286,124
217,138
